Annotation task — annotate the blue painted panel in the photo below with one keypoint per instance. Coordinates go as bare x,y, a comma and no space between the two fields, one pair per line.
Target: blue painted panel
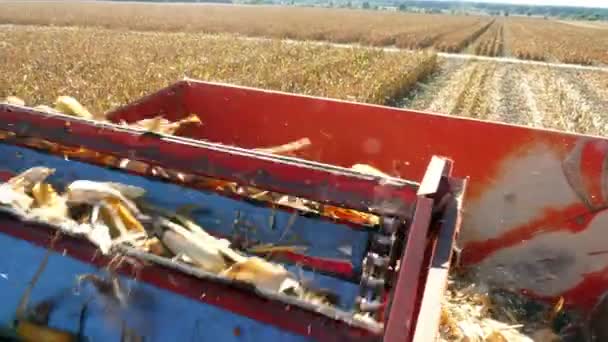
164,316
322,238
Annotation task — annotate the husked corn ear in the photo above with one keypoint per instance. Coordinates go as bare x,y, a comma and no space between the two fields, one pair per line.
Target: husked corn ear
69,105
14,100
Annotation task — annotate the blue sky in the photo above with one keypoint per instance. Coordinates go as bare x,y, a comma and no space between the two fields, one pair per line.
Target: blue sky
582,3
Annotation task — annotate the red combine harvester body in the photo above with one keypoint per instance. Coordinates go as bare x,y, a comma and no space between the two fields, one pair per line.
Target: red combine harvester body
526,205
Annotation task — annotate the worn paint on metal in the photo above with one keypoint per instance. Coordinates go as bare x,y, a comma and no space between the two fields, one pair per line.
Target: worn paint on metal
534,200
323,183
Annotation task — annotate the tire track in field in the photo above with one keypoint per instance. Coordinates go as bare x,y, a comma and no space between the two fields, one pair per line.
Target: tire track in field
433,95
475,98
465,89
514,101
441,95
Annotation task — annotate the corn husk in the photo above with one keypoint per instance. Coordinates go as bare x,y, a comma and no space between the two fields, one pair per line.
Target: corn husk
15,192
70,106
26,180
207,258
89,192
159,124
261,273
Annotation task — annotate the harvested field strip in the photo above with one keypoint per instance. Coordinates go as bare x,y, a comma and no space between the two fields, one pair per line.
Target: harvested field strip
568,103
378,28
106,68
571,100
472,101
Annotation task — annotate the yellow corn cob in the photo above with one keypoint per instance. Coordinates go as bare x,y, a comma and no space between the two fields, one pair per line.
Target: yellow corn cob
131,223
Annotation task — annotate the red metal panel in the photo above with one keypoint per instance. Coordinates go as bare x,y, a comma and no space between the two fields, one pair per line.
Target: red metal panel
529,194
322,183
429,312
402,315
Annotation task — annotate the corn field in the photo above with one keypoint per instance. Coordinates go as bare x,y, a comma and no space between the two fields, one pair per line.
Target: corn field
105,68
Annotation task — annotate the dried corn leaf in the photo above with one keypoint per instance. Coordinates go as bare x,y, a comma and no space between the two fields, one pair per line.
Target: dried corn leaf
159,124
270,248
556,309
286,148
370,170
351,215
